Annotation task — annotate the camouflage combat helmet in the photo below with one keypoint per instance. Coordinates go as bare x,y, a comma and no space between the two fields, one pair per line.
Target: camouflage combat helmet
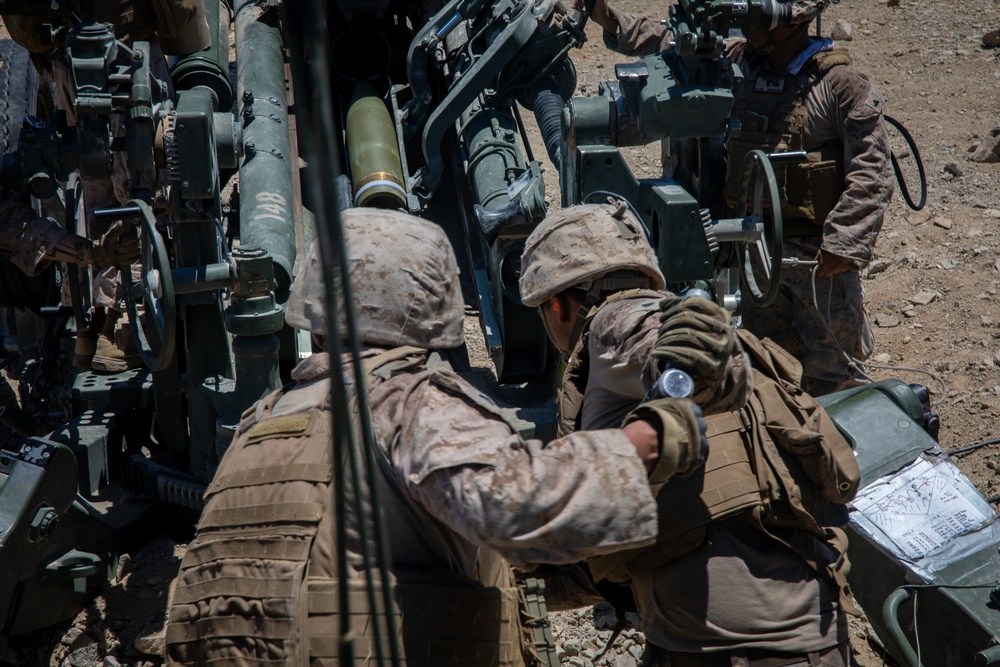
582,246
404,278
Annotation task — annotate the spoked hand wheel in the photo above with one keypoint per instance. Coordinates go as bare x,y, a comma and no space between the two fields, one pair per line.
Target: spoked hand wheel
757,178
80,277
155,329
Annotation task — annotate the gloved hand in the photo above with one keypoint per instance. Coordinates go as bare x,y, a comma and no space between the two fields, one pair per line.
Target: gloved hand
683,443
696,337
119,246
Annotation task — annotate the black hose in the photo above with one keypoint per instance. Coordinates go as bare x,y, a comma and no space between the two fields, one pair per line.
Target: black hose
548,105
903,189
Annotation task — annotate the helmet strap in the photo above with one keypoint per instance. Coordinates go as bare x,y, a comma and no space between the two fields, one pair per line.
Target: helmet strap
598,292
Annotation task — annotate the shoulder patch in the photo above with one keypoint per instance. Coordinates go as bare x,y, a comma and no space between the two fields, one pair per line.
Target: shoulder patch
290,425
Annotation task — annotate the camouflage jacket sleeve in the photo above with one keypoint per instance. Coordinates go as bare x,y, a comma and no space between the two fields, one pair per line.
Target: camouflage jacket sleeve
576,497
622,368
637,36
27,238
851,229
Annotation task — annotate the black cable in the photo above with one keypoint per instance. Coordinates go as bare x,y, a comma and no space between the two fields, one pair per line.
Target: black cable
904,190
970,448
307,24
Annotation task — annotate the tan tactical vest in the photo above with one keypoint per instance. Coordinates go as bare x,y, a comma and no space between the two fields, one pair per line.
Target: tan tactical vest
772,117
780,462
258,585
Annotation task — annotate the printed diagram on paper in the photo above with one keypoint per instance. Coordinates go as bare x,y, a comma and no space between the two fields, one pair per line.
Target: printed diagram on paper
923,506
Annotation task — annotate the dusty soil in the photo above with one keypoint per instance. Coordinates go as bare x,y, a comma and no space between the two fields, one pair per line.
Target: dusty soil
932,293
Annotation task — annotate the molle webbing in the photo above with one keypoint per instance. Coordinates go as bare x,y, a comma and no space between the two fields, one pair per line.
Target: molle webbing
458,625
323,602
241,592
685,505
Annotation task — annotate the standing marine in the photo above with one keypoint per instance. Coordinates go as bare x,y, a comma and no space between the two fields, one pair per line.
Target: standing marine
803,93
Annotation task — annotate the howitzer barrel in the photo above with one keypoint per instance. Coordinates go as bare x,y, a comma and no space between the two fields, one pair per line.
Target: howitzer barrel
267,199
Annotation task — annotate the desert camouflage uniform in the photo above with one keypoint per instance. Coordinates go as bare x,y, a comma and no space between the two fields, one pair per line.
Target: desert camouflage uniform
843,124
458,461
741,592
27,238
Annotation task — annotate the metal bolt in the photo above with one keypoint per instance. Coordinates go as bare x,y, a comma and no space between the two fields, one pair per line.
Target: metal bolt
248,95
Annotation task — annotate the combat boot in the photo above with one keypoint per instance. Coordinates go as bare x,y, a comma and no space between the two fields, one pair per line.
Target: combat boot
86,340
116,351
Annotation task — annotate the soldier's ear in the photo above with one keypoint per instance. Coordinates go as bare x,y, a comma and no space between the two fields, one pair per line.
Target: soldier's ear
563,309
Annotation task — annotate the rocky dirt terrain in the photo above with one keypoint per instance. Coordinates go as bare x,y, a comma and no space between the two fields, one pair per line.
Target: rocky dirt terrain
932,294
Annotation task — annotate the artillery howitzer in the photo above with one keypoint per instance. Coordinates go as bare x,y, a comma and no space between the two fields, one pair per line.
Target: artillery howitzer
428,105
427,101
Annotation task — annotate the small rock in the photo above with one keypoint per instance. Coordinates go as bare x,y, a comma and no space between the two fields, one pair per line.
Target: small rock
85,657
885,321
918,217
953,169
975,202
111,661
572,648
72,635
943,223
842,31
882,358
992,213
909,312
924,297
625,660
988,150
991,40
124,567
151,641
878,266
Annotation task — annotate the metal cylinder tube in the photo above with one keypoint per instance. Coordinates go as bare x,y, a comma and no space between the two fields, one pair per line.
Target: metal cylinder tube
266,196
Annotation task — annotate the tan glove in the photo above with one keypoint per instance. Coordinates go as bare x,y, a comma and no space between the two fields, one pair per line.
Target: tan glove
119,246
683,444
695,337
